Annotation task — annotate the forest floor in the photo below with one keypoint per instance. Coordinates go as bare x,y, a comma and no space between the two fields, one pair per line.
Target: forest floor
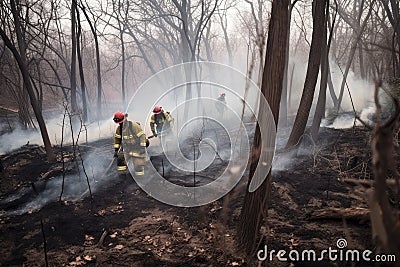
123,226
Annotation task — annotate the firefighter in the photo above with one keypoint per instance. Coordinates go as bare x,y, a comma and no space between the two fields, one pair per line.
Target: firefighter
221,103
135,143
161,122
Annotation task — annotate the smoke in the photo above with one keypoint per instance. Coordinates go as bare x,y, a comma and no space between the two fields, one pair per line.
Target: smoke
86,133
75,185
361,91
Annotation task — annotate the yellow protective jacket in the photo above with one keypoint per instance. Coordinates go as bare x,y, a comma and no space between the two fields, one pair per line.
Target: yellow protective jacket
134,138
158,120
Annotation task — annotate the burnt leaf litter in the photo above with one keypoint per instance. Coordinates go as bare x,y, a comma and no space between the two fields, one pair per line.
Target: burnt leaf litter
123,226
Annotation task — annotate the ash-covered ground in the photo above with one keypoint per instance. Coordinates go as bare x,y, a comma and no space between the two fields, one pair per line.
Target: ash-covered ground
123,226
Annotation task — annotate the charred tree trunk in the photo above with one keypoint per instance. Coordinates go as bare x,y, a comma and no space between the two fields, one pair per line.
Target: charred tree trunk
255,203
311,76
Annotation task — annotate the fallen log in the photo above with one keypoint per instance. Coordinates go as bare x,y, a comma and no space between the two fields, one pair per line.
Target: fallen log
366,183
353,213
52,172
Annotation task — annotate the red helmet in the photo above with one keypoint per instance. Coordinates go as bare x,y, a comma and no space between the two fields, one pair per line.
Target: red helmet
119,117
157,109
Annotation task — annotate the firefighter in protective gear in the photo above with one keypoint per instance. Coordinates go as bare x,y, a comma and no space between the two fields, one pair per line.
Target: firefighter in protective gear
160,122
135,143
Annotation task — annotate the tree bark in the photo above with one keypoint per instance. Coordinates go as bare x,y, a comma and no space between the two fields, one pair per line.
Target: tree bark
331,87
255,203
311,76
284,100
321,103
80,65
393,12
74,106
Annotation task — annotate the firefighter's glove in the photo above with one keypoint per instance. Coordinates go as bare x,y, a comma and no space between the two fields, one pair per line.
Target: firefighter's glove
147,142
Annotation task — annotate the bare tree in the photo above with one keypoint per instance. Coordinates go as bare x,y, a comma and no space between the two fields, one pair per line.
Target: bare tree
20,57
74,105
223,21
255,203
98,61
393,12
284,99
385,222
80,65
311,76
321,103
357,33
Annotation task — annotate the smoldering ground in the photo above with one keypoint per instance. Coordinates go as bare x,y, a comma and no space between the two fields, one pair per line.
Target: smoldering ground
93,170
72,186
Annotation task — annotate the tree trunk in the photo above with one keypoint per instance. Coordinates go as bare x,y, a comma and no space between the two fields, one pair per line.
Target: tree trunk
81,73
361,61
187,53
228,46
23,104
22,64
98,67
255,203
330,85
74,106
207,45
291,84
357,36
321,103
311,76
98,63
284,100
123,70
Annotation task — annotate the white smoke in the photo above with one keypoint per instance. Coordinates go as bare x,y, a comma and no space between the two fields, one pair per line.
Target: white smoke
361,91
89,132
75,185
